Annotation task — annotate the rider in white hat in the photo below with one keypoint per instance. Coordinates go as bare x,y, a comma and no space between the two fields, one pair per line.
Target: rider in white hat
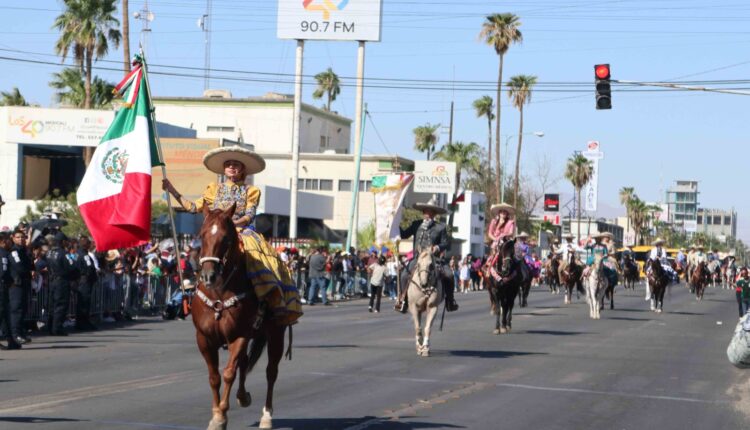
429,234
659,253
270,278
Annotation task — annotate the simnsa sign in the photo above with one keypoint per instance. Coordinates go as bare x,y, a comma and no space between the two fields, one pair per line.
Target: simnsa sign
353,20
434,177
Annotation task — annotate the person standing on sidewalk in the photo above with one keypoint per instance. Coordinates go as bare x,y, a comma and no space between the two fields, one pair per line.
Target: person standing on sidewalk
318,280
62,270
20,271
377,278
743,292
88,268
5,283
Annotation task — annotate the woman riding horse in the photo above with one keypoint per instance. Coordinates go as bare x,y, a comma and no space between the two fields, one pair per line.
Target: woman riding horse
271,280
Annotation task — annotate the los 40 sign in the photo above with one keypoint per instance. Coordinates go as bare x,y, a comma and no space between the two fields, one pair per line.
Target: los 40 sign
355,20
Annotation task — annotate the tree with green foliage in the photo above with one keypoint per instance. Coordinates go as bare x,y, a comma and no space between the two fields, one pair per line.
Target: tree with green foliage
484,107
87,27
328,85
500,31
12,98
425,138
578,171
466,156
519,93
71,90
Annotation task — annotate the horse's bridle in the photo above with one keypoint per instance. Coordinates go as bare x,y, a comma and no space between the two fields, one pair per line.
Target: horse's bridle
431,271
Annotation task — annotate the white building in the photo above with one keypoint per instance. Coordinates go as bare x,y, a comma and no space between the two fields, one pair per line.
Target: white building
264,122
468,225
719,223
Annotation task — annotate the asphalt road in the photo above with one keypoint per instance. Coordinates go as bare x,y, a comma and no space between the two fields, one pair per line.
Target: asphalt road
558,369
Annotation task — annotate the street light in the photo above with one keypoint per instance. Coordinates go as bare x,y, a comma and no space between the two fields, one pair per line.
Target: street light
505,160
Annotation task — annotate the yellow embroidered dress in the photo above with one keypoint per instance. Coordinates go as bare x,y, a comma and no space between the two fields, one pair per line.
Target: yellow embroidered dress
269,276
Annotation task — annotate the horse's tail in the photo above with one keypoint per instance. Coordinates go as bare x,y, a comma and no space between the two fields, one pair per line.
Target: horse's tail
256,350
288,352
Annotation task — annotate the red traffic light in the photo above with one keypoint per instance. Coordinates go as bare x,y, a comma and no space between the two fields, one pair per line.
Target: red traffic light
602,71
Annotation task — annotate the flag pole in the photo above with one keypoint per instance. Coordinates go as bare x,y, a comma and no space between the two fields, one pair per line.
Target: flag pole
152,115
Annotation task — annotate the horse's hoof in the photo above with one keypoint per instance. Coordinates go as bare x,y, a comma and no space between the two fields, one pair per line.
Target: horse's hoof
504,330
215,424
496,331
266,420
244,400
426,353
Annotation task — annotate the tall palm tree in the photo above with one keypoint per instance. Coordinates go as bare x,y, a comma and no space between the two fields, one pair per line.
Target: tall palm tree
87,27
71,90
578,171
639,213
466,156
12,98
500,30
626,194
328,84
484,107
125,37
425,138
519,93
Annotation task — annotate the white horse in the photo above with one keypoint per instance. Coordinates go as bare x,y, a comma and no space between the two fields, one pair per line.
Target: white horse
425,293
596,287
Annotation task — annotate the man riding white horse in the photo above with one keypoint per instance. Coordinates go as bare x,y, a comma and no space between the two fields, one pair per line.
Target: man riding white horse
428,234
659,253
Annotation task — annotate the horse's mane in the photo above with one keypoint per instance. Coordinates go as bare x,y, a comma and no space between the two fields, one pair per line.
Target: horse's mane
508,248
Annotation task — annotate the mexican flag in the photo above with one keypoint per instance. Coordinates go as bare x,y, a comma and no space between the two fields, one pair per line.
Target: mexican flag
389,195
115,194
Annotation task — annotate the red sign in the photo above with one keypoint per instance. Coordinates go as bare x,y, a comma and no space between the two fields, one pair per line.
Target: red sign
551,202
554,219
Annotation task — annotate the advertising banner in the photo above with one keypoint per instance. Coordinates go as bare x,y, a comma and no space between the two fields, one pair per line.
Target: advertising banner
552,202
389,195
352,20
435,177
184,160
591,190
66,127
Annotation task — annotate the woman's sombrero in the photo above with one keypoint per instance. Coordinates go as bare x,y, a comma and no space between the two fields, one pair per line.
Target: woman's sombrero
214,159
494,209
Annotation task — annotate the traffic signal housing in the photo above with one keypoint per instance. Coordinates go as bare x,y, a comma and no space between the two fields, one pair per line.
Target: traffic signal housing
603,89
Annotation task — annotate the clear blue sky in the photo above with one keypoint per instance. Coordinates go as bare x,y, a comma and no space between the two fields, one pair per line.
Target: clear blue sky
649,138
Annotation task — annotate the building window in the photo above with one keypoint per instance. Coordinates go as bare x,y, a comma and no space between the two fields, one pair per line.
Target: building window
700,219
717,219
477,231
345,185
474,209
326,185
364,186
220,128
325,141
727,220
311,184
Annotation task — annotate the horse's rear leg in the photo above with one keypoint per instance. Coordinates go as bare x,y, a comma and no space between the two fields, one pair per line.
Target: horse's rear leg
275,352
211,356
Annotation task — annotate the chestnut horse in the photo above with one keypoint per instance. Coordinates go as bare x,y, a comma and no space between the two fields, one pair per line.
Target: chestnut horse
553,274
570,277
699,280
630,273
229,314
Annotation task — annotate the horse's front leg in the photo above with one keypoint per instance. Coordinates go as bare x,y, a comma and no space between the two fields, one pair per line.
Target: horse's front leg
211,356
431,313
237,349
416,316
275,353
243,397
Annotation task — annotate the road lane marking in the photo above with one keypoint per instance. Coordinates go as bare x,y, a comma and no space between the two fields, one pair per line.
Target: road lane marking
36,403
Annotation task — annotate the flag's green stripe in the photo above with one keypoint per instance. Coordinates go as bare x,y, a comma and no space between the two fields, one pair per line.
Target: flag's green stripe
124,121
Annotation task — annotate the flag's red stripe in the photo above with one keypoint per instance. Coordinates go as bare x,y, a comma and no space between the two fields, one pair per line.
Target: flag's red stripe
122,220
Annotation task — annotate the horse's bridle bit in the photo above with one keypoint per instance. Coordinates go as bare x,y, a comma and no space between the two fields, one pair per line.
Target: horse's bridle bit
219,306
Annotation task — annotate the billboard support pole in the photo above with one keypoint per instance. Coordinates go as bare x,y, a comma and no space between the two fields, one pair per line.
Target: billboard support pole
295,139
358,138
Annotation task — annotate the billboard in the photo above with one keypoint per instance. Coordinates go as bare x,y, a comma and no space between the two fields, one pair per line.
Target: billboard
184,160
352,20
435,177
67,127
552,202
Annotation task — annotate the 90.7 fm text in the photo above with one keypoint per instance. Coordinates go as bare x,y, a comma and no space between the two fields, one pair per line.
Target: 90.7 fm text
327,26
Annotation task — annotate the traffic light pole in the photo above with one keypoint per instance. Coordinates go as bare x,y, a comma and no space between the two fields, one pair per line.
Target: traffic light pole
682,87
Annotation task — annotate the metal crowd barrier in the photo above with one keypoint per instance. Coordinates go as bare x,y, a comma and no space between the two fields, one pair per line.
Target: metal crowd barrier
113,295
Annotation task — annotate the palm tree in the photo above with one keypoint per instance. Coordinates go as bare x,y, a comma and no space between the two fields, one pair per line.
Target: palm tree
639,212
71,89
578,171
12,98
626,194
520,94
484,107
328,84
86,28
500,30
125,37
466,156
425,138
